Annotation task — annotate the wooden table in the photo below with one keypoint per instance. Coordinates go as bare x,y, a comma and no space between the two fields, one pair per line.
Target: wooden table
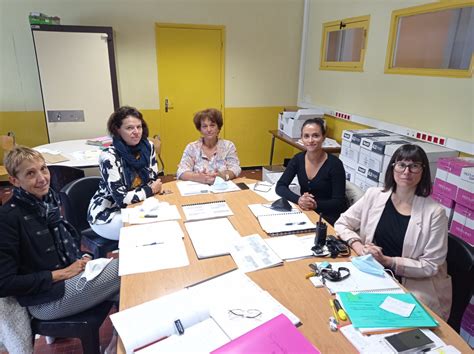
294,142
286,283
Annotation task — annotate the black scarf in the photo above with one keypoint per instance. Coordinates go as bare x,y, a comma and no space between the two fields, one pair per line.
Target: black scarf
66,238
131,164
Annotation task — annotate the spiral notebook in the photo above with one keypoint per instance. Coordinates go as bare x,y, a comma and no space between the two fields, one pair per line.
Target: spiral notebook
292,222
208,210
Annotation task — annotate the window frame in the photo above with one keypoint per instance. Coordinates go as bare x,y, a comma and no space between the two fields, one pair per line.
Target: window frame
353,22
418,10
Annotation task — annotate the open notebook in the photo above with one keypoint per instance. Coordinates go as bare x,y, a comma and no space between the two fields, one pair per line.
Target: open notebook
292,222
204,312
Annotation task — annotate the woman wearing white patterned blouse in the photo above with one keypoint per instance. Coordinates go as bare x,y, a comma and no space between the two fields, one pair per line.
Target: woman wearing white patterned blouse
209,156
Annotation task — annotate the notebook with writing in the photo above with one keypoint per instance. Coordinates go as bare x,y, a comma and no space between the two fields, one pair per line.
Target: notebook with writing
207,210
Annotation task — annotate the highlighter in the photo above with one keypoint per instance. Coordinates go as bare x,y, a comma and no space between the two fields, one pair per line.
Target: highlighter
340,312
331,303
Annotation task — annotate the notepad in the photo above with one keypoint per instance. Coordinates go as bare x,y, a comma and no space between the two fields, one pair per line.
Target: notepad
208,210
292,222
364,311
212,237
359,281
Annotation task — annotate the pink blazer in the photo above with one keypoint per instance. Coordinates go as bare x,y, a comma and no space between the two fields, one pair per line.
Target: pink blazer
422,265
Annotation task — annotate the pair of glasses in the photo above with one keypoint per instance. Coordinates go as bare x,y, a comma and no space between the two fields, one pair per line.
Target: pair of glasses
400,167
249,313
262,187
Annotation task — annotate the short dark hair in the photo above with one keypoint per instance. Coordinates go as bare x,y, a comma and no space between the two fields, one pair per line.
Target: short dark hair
317,121
116,118
410,152
214,115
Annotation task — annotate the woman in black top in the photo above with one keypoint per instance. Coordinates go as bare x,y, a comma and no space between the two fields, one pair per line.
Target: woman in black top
321,176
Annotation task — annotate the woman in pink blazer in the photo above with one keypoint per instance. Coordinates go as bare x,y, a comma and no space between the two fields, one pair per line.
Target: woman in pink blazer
404,229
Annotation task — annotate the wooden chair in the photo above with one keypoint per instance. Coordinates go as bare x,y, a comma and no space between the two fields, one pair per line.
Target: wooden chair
7,142
157,142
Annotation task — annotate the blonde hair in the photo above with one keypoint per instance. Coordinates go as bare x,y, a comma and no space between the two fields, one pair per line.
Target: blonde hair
17,155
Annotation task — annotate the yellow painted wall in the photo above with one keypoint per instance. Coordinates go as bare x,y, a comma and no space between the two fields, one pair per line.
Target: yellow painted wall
335,126
438,105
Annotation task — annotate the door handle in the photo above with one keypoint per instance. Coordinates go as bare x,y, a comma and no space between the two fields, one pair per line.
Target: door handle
168,105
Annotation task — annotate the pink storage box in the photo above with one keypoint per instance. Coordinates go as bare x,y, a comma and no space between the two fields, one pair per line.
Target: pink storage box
444,188
462,224
465,193
455,165
446,202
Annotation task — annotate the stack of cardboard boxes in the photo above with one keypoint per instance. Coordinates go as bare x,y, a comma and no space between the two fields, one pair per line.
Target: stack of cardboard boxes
366,154
454,189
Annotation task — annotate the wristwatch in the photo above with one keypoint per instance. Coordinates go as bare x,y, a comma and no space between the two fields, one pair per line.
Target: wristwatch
352,240
227,177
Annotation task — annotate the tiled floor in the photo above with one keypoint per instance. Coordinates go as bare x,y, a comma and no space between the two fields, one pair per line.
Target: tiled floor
72,345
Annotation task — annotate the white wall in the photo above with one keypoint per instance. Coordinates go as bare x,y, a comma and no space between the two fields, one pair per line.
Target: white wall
262,46
433,104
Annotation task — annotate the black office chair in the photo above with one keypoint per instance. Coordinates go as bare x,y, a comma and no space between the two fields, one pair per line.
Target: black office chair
62,175
76,198
84,325
461,268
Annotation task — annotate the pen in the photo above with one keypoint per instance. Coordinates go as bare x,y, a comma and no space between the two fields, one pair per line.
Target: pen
340,312
149,216
331,303
295,223
153,243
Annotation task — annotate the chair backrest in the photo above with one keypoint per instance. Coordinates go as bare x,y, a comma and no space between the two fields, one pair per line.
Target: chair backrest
77,196
62,175
460,261
7,142
157,142
353,193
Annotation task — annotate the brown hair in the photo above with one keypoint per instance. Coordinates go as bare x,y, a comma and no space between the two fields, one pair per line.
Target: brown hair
410,152
214,115
17,155
116,118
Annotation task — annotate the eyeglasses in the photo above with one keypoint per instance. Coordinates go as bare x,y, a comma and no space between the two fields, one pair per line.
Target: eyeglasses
400,167
262,187
249,313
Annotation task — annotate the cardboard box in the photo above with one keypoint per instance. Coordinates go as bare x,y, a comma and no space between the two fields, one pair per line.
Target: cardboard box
349,167
290,122
462,224
446,203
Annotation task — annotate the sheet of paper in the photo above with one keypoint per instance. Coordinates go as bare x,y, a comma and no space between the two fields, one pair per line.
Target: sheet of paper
290,247
199,211
252,253
148,322
221,186
265,190
192,188
397,307
139,235
202,338
211,237
165,255
162,213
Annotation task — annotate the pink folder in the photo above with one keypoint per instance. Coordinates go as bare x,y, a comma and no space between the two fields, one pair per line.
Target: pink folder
278,335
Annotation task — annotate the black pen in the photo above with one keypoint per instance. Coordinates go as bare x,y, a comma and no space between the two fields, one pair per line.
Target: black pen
295,223
149,216
152,244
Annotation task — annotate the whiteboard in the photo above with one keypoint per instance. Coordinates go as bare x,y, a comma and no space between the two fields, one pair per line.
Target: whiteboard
77,73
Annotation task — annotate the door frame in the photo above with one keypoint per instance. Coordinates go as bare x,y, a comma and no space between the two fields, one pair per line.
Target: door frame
222,29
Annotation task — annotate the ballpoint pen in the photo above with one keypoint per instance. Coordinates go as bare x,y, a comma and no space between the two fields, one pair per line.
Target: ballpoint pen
149,216
340,311
295,223
152,244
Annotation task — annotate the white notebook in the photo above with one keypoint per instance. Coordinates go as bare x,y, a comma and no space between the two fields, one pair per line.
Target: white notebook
212,237
208,210
292,222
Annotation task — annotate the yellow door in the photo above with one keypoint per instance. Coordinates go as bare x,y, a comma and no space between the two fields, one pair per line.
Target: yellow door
190,78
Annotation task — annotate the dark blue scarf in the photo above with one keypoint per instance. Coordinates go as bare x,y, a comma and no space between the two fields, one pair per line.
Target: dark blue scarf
132,165
66,238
